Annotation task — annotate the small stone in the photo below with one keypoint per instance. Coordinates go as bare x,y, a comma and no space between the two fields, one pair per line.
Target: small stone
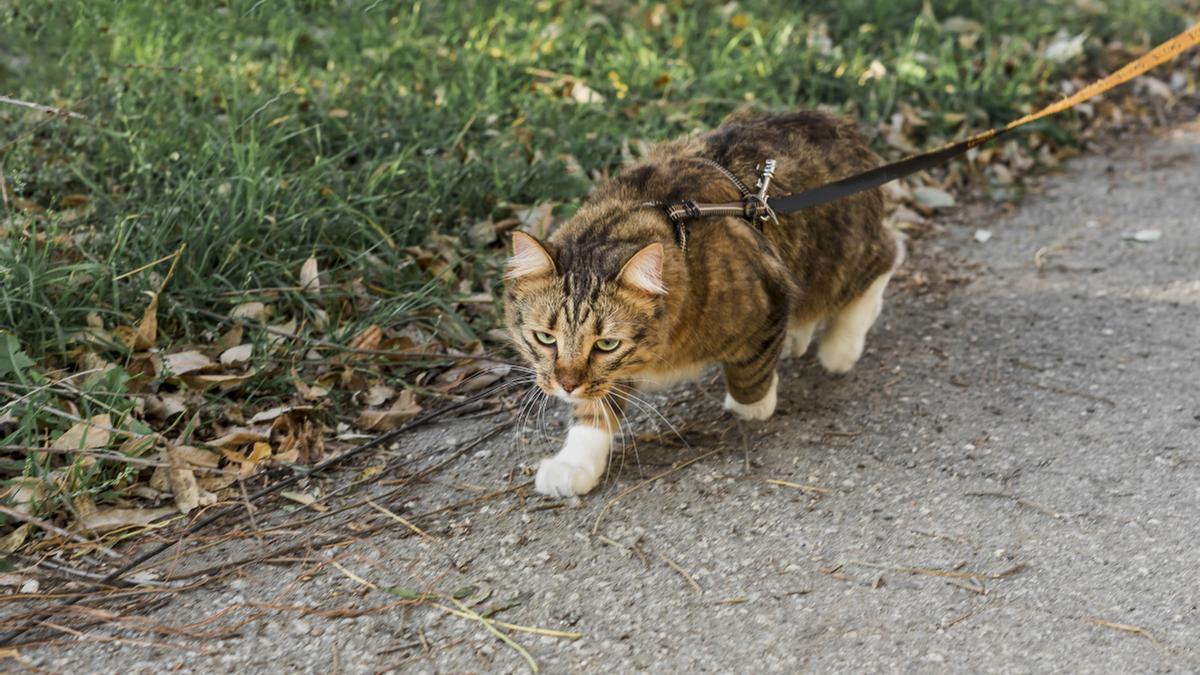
933,198
1144,236
982,236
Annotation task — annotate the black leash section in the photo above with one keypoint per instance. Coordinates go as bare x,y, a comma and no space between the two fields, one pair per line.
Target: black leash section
752,207
115,576
873,178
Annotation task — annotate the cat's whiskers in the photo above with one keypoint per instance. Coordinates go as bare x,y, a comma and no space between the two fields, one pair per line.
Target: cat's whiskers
631,396
608,472
622,421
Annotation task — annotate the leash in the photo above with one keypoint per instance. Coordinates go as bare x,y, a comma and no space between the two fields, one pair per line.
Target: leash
758,208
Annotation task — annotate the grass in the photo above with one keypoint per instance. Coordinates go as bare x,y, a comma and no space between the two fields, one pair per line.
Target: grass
383,139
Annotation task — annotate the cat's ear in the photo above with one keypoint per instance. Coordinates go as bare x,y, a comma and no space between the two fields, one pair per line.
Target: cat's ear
529,258
644,271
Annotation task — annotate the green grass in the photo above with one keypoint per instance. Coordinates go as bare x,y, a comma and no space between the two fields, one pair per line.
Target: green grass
262,133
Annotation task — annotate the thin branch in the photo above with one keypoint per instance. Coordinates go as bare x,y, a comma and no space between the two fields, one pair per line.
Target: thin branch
50,110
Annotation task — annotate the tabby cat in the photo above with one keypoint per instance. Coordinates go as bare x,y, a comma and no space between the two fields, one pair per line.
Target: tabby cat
612,302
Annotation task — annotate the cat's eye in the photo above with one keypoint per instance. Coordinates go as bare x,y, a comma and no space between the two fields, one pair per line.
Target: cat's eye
544,338
607,344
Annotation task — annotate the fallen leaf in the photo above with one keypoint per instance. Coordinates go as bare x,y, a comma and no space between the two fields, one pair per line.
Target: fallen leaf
85,435
236,356
581,93
297,438
239,436
254,311
402,410
368,338
182,482
231,337
183,363
310,278
933,198
282,331
224,382
13,540
105,520
272,413
378,394
215,483
305,500
147,330
339,113
164,406
1064,47
472,375
197,456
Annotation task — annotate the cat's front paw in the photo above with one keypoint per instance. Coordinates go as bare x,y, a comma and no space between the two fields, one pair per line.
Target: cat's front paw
557,478
578,467
759,410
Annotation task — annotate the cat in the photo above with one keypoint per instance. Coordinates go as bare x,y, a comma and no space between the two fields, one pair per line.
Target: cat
612,302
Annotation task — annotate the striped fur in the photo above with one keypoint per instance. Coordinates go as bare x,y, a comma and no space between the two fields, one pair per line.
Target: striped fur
731,298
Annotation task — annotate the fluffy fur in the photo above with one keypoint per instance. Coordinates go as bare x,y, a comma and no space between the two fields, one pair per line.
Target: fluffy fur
610,302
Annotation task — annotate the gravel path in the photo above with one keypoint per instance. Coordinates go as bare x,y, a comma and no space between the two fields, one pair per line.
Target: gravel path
1008,482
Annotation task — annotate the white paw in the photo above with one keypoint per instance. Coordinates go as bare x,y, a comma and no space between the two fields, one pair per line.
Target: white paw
798,339
759,410
557,478
578,467
840,355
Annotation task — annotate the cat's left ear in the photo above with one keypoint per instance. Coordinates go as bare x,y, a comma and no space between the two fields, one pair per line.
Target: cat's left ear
644,271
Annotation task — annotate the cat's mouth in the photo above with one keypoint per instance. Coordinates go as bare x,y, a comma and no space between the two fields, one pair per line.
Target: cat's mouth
582,393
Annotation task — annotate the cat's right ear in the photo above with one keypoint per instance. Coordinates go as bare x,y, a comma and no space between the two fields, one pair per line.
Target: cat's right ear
529,258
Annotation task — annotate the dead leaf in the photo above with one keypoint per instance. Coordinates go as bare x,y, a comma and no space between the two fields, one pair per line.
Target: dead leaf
402,410
282,331
272,413
13,540
933,197
147,331
197,456
310,392
297,439
369,338
378,394
85,435
304,499
105,520
215,483
253,311
339,113
236,356
183,363
232,337
224,382
310,279
472,375
164,406
581,93
182,481
239,436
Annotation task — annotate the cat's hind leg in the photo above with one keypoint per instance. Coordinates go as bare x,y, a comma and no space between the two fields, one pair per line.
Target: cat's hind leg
799,337
843,341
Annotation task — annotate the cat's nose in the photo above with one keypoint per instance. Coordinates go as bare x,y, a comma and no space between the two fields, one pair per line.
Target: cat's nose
568,383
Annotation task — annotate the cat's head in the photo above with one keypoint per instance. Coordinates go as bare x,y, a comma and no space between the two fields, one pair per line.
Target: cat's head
584,320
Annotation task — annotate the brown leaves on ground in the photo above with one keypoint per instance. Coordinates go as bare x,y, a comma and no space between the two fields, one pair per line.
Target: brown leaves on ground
403,409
